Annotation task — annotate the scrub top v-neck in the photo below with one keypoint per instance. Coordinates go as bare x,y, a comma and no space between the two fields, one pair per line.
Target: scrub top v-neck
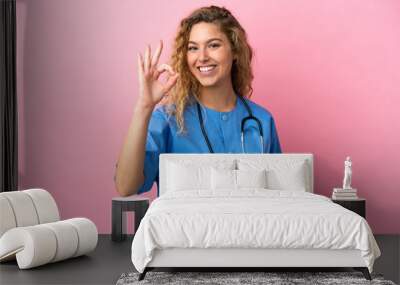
222,128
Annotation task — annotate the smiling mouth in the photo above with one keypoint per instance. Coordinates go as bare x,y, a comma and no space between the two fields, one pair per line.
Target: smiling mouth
206,69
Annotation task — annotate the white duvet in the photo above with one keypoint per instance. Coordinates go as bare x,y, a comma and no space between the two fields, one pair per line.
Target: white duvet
251,218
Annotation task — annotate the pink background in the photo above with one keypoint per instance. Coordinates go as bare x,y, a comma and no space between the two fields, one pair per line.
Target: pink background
327,70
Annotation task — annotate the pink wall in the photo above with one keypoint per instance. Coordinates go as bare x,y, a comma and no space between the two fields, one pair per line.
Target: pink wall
327,70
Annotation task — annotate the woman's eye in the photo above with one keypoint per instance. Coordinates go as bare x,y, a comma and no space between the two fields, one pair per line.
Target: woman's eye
215,45
192,48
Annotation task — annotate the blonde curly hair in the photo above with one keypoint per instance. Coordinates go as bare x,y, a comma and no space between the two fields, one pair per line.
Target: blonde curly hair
187,85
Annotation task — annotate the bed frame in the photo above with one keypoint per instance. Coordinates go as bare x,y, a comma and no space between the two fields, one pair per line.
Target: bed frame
241,259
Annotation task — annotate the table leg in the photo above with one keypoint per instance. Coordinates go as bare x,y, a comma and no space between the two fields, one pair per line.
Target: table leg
118,232
140,211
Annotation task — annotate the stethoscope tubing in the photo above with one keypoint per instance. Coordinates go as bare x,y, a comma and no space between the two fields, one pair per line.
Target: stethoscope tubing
242,125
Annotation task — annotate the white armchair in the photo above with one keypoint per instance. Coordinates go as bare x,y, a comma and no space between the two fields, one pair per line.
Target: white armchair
32,233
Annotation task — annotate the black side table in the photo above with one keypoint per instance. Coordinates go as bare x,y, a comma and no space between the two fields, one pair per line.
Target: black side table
121,205
357,205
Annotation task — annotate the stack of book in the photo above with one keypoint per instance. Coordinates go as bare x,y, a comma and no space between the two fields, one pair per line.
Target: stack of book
344,194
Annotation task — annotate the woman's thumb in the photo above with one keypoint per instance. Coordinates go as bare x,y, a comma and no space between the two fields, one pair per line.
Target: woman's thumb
171,82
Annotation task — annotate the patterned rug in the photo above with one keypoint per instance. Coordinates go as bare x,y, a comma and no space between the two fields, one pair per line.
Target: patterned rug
243,278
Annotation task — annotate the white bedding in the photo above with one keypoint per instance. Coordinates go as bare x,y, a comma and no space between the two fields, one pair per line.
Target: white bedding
250,218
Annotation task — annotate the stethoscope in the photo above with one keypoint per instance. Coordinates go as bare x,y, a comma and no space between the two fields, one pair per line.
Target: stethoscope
244,120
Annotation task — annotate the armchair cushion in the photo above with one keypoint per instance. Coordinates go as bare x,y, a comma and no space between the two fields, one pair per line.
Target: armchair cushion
31,233
40,244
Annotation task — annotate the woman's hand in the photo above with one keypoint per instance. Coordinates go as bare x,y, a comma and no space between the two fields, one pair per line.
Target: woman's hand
151,90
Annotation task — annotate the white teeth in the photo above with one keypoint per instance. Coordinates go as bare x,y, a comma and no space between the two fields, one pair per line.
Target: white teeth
206,68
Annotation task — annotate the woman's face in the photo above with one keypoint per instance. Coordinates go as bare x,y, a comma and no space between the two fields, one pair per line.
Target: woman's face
209,55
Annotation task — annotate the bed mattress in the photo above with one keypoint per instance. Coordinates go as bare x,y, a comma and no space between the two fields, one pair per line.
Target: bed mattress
250,219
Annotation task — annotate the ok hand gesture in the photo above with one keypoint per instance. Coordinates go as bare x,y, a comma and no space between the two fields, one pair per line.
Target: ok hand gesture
151,90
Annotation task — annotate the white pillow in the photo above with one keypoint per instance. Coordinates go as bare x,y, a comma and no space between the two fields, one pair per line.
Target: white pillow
237,179
223,179
282,174
188,175
251,178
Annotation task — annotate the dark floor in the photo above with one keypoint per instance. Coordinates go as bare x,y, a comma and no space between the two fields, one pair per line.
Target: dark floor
111,259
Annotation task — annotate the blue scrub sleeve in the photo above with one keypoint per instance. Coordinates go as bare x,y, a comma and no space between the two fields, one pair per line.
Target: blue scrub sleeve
156,143
275,145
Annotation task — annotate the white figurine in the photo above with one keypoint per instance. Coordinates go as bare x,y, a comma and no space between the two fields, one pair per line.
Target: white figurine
347,174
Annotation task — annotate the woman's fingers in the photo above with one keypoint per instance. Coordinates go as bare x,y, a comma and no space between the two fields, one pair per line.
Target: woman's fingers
156,56
147,59
171,82
149,72
172,76
150,62
140,65
161,69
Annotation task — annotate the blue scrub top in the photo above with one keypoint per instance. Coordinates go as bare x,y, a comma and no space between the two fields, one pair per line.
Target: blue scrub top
222,128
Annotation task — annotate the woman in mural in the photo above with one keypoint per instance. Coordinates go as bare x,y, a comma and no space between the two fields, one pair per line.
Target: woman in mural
201,107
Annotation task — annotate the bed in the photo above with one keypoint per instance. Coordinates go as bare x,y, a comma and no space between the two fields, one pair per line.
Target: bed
247,210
